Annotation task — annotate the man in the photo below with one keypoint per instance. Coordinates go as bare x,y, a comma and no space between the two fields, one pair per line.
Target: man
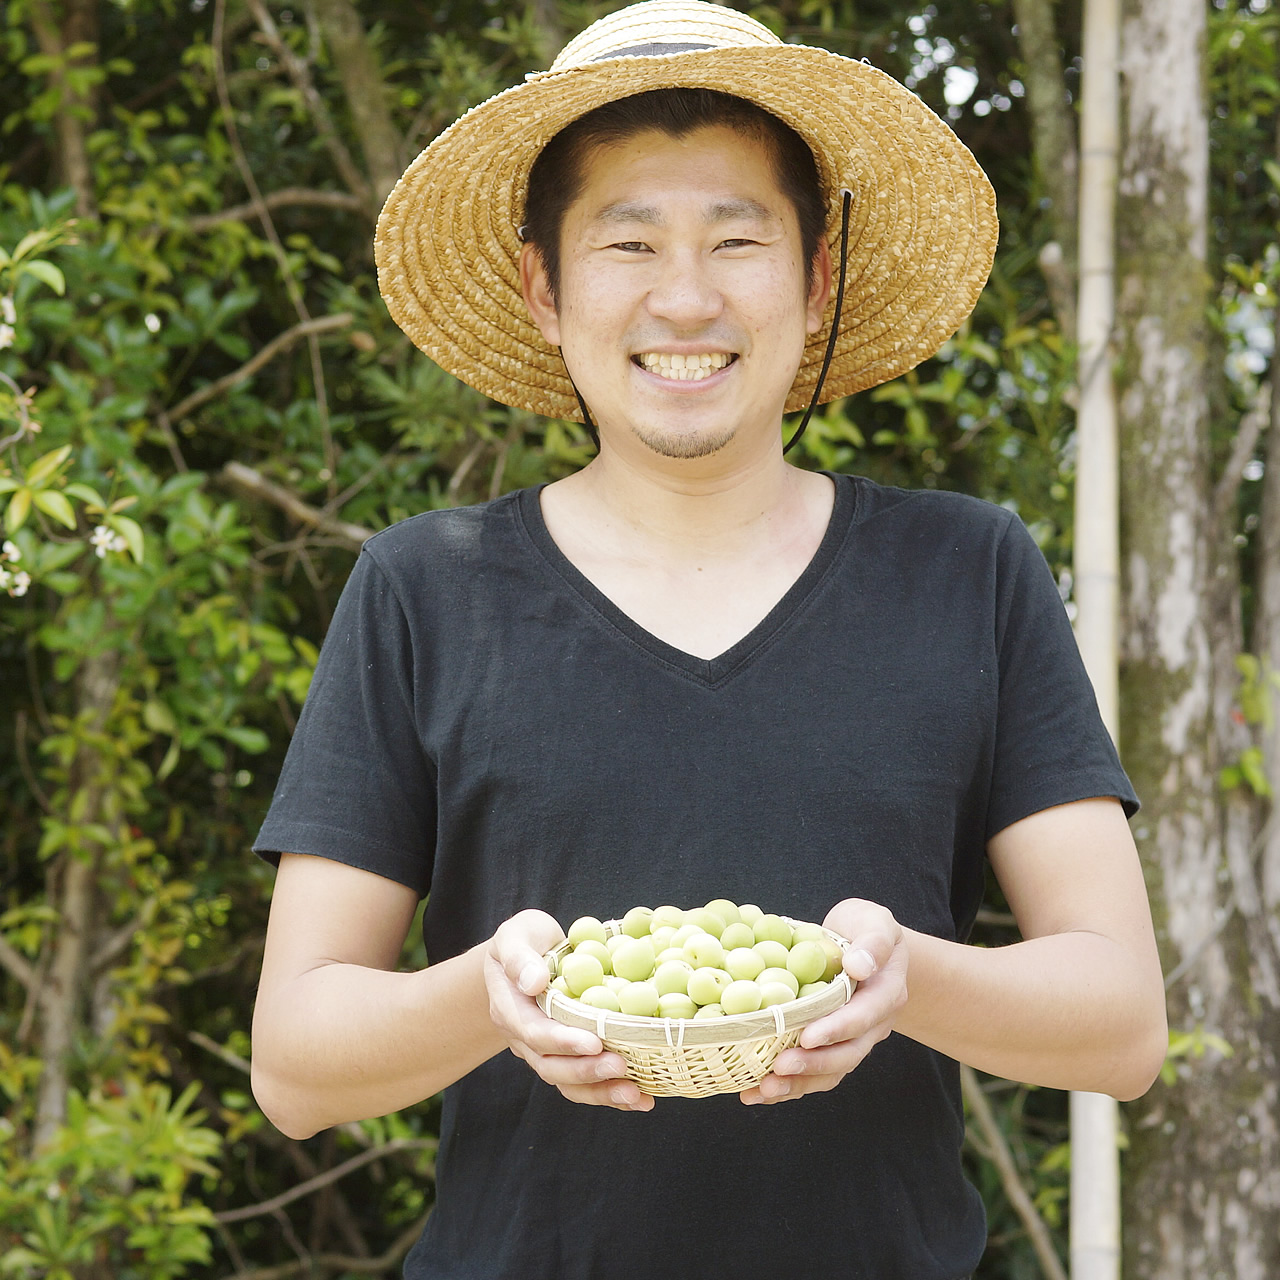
693,671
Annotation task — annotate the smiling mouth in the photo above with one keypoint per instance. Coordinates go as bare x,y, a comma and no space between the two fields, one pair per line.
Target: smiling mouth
683,368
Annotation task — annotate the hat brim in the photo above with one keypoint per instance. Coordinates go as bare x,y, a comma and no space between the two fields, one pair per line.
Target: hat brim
922,231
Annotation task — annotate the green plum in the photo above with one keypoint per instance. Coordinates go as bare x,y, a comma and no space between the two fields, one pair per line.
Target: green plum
666,915
585,927
638,922
774,954
704,951
581,970
598,949
709,1011
775,993
749,913
639,999
670,978
812,988
808,961
706,985
675,1004
771,928
634,959
806,932
744,963
601,998
785,976
726,910
740,997
737,935
705,919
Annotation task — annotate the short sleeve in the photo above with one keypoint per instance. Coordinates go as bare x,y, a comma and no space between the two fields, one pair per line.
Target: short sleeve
357,785
1051,744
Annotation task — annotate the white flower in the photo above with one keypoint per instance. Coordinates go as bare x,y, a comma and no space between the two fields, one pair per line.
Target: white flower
10,551
101,539
5,578
21,581
152,321
118,543
8,312
7,335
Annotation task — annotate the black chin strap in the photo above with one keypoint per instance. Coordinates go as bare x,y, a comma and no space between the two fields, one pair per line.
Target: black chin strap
846,202
582,404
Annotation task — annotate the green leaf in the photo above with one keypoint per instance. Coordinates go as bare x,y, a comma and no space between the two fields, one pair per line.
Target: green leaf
131,531
43,467
86,494
19,508
46,271
54,504
251,740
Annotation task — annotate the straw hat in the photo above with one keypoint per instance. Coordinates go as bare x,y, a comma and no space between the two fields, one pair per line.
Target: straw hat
922,227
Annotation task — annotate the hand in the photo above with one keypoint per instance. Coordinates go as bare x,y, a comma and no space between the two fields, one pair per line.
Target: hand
574,1061
833,1045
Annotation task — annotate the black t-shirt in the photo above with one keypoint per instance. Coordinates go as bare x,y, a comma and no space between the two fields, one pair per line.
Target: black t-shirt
486,726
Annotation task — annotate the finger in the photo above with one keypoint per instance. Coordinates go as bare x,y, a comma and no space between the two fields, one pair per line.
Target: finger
622,1095
520,945
572,1070
773,1089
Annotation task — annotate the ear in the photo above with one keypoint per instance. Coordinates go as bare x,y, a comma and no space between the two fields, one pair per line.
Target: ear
820,291
537,294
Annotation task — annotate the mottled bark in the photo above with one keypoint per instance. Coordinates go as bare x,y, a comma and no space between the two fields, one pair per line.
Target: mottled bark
1266,640
365,92
1202,1186
63,997
1053,140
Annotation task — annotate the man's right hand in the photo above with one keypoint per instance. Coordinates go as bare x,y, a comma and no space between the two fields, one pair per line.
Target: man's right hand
574,1061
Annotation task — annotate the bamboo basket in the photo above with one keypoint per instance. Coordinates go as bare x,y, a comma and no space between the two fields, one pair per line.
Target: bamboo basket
688,1058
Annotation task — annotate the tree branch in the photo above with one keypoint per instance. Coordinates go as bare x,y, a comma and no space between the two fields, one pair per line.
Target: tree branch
300,74
284,198
324,1179
1003,1160
1245,445
281,342
16,964
339,1262
352,535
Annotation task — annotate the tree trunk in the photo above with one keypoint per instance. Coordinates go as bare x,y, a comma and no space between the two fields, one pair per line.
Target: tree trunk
63,996
79,26
1054,147
1202,1186
365,93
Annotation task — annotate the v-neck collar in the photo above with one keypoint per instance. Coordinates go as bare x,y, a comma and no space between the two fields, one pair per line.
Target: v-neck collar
708,671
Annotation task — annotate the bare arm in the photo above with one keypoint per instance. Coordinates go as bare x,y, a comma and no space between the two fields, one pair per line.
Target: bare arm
1079,1004
339,1035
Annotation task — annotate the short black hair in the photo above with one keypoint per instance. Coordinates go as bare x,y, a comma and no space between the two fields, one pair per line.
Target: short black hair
556,177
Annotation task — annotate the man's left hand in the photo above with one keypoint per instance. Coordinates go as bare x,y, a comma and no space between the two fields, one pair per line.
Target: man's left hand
834,1045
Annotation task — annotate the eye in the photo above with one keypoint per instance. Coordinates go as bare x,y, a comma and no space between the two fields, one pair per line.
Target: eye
739,242
631,246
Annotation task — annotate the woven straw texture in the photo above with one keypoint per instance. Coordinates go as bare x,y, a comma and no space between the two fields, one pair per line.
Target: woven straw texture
688,1058
922,233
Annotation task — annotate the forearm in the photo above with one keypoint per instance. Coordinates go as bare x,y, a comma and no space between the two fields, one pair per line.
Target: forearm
344,1042
1071,1010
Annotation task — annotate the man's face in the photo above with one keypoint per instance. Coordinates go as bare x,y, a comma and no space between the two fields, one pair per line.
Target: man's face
681,252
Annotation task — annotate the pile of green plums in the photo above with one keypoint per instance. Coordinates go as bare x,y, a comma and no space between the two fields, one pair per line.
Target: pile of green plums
708,962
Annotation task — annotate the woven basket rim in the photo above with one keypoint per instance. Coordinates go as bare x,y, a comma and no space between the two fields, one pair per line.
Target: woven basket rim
619,1030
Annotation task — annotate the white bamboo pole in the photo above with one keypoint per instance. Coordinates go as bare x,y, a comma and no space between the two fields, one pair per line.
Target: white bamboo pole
1095,1169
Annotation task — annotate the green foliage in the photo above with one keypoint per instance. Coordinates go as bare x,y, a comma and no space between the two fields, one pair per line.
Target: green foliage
159,622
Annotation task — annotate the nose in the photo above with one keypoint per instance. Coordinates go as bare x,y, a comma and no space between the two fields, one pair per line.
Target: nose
685,294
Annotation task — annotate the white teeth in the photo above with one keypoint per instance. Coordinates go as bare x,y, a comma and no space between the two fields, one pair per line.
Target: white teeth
683,368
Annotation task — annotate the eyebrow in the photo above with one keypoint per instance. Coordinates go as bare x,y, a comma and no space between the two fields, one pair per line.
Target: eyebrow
649,215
